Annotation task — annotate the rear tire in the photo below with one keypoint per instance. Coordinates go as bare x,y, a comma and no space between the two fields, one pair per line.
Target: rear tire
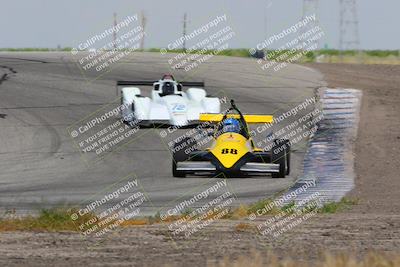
176,173
286,144
179,154
280,154
288,152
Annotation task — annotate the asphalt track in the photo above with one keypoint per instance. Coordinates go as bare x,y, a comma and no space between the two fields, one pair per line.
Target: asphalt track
44,93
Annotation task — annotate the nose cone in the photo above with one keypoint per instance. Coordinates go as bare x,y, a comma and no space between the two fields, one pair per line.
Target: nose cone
230,148
179,120
177,110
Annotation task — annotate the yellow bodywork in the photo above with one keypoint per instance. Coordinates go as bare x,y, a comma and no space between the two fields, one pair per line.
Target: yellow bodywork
228,148
248,118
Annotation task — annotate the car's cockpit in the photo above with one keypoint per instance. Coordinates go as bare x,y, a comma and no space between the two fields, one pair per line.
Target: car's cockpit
240,126
168,86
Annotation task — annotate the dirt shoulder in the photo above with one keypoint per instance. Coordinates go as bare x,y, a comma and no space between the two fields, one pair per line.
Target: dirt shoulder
374,224
378,143
152,245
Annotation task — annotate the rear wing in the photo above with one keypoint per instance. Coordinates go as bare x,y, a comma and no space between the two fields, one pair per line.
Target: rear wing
150,83
250,119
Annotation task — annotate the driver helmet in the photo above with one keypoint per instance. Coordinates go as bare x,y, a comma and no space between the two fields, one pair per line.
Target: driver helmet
231,126
168,88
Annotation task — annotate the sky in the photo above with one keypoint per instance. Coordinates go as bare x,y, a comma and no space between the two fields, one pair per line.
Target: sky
52,23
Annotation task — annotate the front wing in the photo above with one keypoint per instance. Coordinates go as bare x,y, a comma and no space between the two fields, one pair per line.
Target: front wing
249,164
165,124
249,167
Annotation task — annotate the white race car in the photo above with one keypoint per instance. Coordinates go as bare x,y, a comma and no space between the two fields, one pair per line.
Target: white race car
168,104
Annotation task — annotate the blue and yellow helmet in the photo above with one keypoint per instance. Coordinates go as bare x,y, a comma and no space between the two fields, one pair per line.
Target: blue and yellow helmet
231,126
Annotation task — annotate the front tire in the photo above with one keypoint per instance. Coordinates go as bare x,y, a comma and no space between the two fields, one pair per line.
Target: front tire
179,154
131,117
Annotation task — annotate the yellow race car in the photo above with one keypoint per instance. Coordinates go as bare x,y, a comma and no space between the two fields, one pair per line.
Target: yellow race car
232,151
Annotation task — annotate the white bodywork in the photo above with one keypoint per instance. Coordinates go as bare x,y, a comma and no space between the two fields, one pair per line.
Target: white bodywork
178,108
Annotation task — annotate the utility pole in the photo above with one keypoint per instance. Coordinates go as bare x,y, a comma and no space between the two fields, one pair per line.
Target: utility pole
267,6
184,31
310,8
265,22
114,33
348,32
143,26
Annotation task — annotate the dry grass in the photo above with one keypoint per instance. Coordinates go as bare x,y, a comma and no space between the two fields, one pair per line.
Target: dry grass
245,227
137,222
53,220
47,220
240,212
362,59
60,219
256,259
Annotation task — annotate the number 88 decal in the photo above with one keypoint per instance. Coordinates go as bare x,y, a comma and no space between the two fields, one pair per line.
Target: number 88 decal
229,151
